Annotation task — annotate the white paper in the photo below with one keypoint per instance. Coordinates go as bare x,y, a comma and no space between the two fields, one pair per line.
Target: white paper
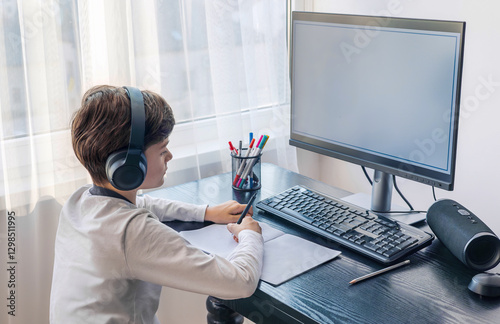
285,255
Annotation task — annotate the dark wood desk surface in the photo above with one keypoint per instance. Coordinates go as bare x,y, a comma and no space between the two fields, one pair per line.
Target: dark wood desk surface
432,289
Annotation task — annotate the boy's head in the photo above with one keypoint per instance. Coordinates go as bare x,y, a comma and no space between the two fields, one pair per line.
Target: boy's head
102,126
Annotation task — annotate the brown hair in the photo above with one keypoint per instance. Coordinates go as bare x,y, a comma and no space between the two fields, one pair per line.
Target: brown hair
101,126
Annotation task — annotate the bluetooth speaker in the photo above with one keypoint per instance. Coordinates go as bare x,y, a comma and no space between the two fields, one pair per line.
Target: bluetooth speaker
464,234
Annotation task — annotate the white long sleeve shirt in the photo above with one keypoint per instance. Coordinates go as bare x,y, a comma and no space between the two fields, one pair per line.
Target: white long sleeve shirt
112,257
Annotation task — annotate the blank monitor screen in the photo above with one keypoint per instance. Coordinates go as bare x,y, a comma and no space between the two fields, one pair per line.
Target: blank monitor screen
380,92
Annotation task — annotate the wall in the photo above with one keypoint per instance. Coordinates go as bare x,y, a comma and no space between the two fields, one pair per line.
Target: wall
477,178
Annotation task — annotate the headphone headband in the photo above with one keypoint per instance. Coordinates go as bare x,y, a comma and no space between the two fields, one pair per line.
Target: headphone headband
137,118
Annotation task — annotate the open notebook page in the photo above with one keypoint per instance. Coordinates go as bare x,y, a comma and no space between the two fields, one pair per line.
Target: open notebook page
285,255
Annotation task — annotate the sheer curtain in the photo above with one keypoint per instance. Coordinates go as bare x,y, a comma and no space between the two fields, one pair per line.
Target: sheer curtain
222,66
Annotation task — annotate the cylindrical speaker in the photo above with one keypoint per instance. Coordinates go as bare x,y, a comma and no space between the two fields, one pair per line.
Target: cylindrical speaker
464,234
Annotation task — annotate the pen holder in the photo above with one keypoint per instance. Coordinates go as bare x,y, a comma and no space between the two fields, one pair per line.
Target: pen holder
246,172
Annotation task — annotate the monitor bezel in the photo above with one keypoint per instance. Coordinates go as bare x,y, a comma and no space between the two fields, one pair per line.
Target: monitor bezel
405,170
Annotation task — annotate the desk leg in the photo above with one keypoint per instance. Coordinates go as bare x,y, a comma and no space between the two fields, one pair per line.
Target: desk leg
219,313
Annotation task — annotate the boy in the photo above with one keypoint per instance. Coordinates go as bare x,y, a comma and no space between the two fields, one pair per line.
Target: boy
112,253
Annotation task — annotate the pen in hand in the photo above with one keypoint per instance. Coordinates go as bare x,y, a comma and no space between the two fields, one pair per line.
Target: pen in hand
247,208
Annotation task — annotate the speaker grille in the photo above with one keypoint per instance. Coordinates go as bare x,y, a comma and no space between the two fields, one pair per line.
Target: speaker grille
482,251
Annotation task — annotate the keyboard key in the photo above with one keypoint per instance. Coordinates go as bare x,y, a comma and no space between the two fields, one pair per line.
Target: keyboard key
297,215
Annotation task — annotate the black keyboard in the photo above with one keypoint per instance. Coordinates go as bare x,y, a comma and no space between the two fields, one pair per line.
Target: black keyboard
380,238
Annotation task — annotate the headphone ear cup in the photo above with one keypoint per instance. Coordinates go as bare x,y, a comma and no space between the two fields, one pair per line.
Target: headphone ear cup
126,176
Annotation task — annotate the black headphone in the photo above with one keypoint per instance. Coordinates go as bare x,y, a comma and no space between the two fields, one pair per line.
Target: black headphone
126,169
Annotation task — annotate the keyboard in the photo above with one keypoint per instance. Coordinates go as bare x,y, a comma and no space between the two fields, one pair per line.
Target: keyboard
377,237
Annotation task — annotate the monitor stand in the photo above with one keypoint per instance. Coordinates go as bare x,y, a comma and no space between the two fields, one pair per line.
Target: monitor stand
381,192
380,200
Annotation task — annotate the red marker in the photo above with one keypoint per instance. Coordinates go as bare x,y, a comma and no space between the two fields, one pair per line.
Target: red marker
232,148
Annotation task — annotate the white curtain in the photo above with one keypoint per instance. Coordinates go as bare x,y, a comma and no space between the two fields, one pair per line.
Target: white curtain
221,64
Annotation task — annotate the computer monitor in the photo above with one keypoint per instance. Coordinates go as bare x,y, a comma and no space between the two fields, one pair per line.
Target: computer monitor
381,92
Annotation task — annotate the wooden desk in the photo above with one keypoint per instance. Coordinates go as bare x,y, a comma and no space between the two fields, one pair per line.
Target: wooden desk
432,289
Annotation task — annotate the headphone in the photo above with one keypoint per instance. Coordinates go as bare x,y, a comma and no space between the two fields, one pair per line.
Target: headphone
126,169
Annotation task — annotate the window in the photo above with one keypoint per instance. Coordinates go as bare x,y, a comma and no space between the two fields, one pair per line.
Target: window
221,65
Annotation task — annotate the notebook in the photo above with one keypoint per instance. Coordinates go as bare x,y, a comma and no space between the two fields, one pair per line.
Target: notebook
285,255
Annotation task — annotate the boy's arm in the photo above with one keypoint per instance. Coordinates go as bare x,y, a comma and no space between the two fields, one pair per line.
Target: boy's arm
169,210
157,254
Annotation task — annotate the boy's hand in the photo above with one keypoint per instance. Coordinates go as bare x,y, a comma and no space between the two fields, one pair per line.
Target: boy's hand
227,212
247,223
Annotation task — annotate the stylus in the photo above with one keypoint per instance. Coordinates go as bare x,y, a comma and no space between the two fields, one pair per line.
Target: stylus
379,272
247,208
